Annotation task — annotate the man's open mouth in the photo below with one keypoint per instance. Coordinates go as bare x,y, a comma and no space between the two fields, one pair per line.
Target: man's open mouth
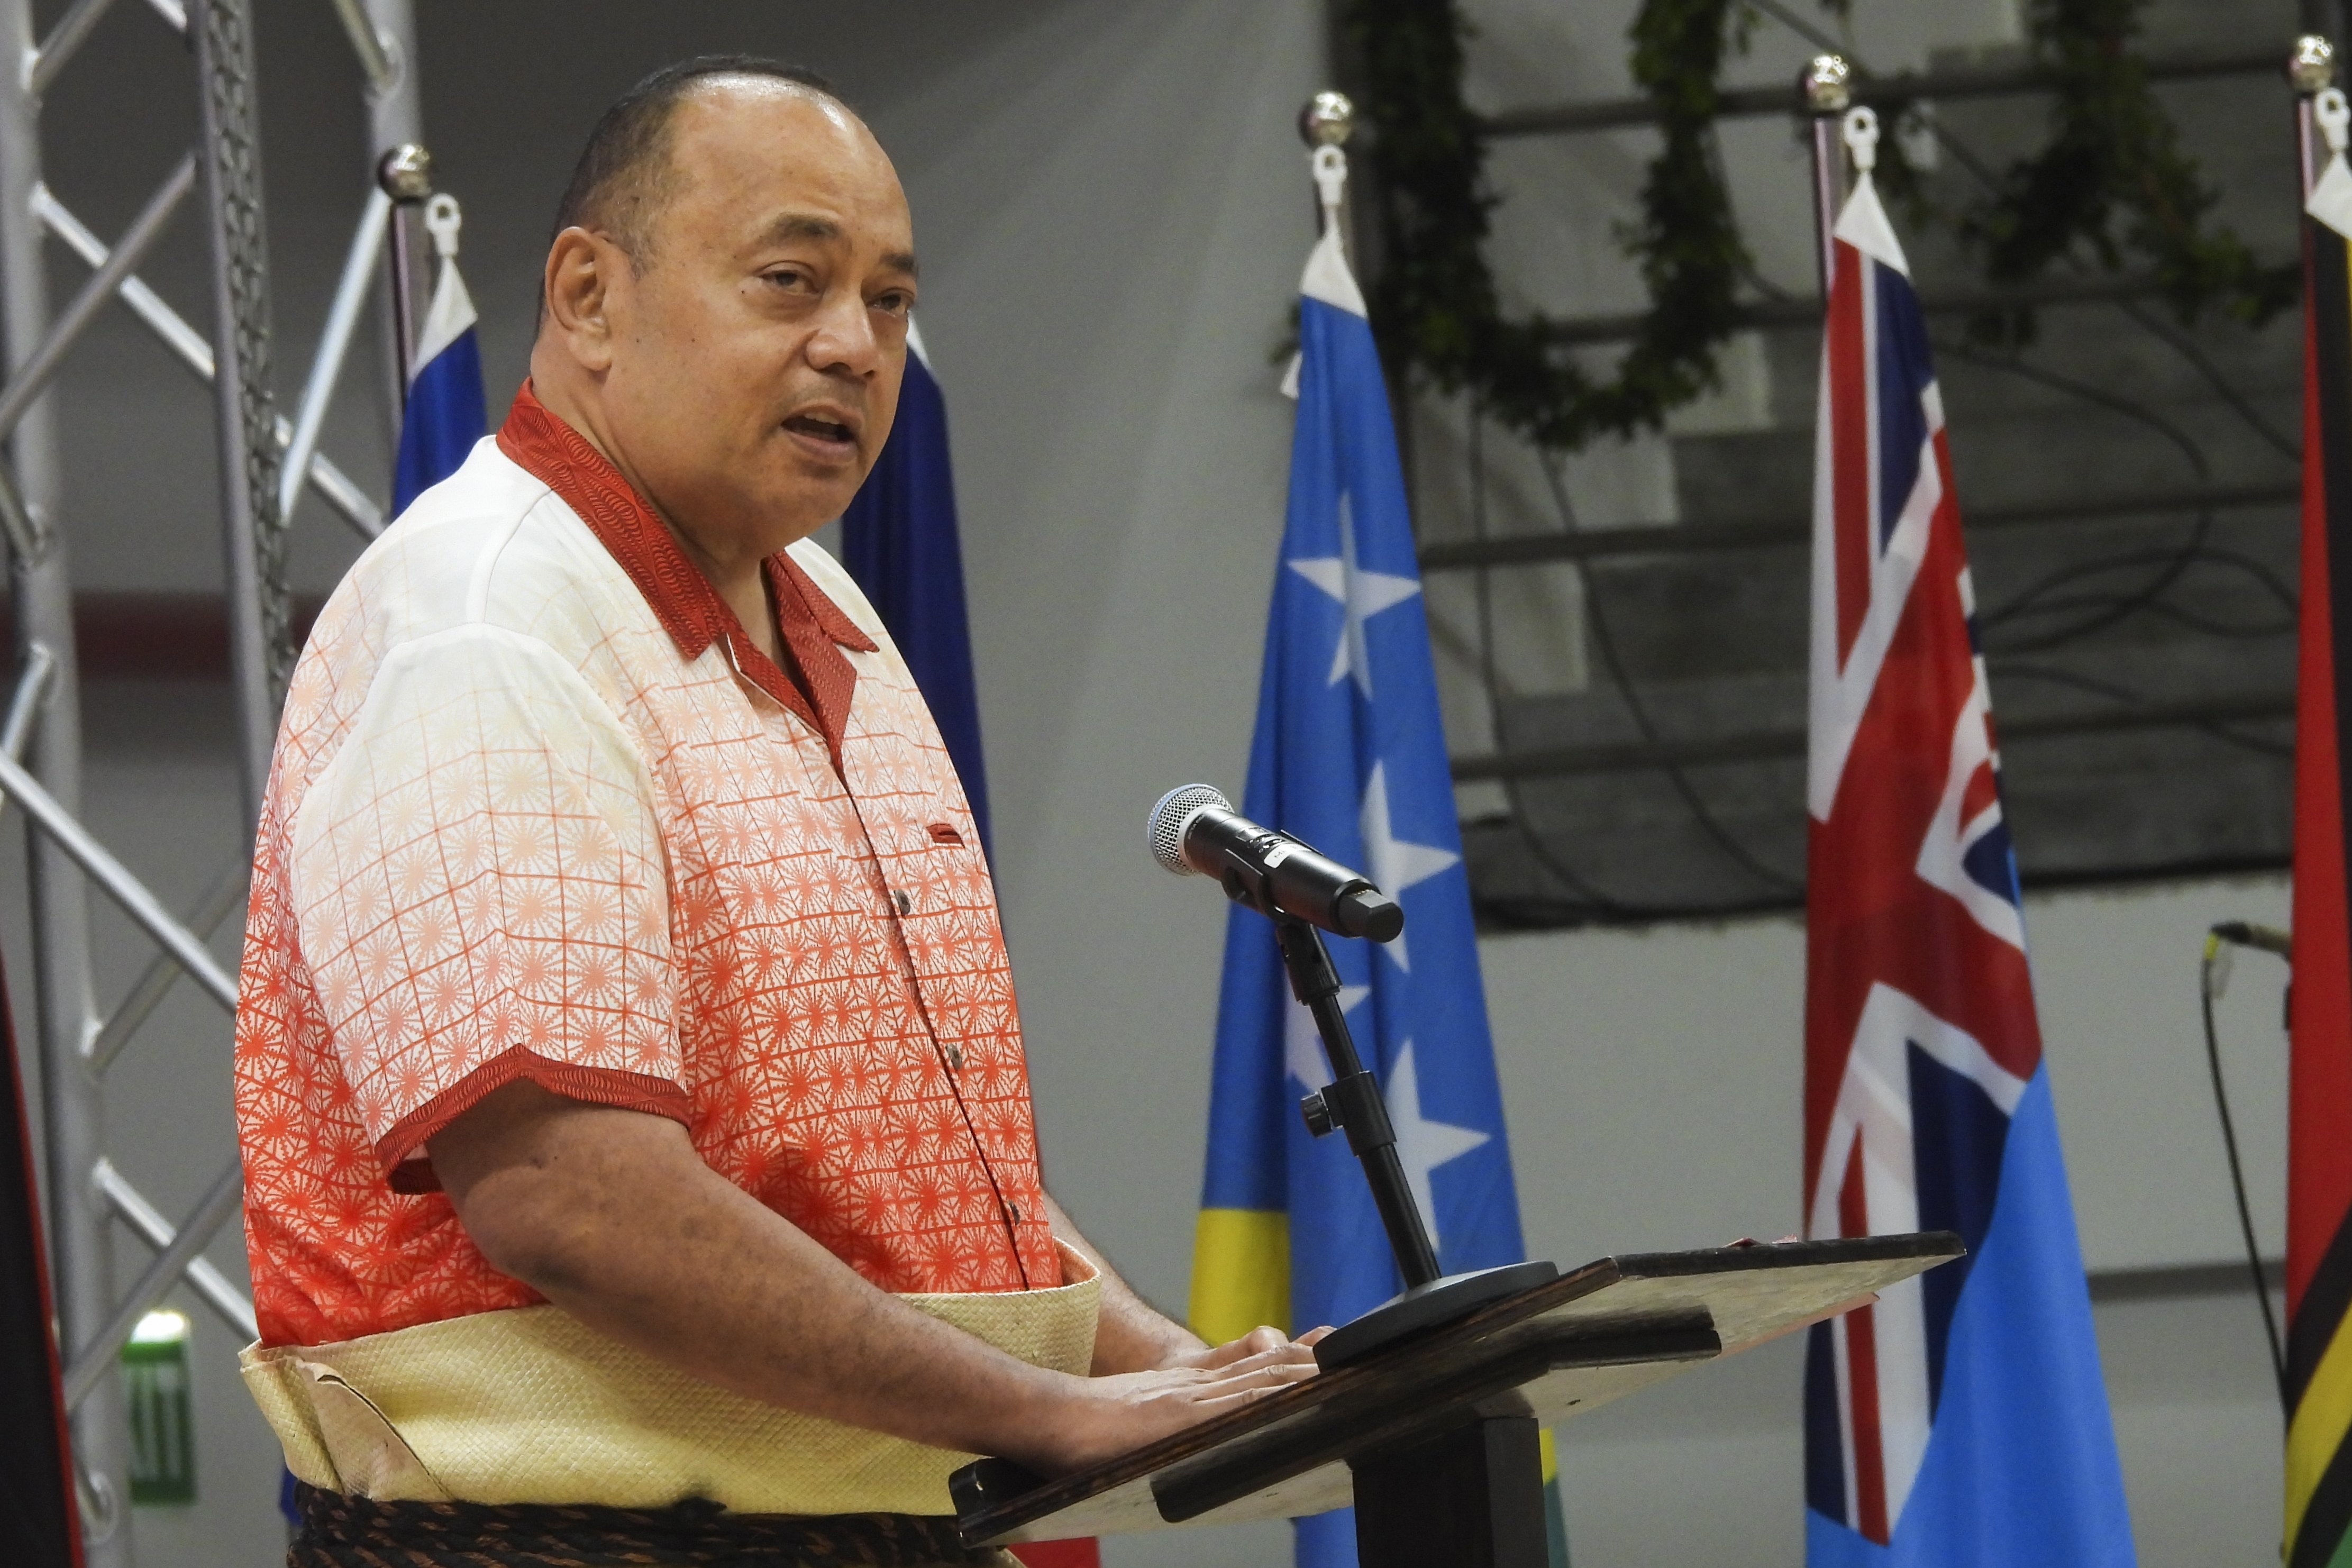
818,428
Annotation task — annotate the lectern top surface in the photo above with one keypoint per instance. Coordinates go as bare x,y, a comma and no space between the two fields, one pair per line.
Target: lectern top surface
1588,1337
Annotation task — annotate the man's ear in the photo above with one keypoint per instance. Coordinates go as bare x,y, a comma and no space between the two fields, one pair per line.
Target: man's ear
578,288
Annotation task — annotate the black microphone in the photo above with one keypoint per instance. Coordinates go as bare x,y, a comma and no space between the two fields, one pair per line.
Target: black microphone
2245,934
1195,830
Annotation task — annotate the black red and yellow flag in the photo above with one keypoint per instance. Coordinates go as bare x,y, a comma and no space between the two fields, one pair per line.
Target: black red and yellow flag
37,1499
2319,1118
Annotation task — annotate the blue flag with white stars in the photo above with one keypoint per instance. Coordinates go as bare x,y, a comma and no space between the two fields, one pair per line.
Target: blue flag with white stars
1349,755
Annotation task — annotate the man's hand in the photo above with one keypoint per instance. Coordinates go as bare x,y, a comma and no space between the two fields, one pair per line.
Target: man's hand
1125,1410
613,1216
1260,1340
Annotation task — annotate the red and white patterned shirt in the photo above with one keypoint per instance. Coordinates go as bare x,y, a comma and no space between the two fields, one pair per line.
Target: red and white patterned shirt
541,809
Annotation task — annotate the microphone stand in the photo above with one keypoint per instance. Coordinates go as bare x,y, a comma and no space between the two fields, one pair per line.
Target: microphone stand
1351,1101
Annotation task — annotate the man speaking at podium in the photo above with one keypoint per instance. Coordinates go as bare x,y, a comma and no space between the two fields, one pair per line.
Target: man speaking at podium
632,1097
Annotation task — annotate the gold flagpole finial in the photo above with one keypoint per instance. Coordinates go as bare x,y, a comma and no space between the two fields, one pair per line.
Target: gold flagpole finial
1826,84
2311,64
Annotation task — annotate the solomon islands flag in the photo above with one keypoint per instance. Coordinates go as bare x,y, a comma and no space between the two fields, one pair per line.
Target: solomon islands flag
898,539
2319,1077
443,415
1961,1419
1349,755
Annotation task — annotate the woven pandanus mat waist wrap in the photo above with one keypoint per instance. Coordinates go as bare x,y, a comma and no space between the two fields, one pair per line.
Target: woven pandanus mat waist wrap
529,1405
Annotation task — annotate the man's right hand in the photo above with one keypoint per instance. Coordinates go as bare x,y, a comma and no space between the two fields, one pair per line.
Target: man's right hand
612,1215
1107,1416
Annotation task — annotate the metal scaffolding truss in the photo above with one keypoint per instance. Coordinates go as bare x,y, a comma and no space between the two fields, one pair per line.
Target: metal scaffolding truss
266,461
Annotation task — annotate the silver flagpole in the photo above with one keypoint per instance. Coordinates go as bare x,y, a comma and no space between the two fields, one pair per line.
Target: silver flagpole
2310,70
1826,87
395,119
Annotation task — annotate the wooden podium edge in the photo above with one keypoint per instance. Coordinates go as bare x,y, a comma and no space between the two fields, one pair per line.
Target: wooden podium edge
995,1518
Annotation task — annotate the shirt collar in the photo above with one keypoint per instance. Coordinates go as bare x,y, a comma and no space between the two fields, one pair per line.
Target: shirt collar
688,608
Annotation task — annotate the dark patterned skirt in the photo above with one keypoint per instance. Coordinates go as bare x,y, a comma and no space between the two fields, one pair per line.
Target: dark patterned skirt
340,1531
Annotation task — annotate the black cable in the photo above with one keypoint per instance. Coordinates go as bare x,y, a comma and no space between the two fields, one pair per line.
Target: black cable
1597,621
2237,1170
2164,607
2176,563
1491,678
2217,555
2217,727
2186,347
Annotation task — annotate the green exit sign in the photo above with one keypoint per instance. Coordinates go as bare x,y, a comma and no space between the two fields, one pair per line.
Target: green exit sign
163,1427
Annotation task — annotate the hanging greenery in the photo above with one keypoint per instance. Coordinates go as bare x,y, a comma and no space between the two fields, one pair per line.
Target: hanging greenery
1434,302
2113,180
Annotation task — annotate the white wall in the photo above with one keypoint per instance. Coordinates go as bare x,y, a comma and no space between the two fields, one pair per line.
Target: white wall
1653,1079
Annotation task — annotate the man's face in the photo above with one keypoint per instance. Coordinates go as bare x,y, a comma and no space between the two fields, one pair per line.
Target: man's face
756,353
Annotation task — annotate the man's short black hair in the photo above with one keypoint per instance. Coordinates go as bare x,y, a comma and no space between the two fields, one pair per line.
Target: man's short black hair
621,181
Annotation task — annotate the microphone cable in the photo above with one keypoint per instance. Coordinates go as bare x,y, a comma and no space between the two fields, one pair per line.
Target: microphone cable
2213,980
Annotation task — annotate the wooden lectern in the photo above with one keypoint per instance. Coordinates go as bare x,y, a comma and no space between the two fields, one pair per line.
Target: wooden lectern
1434,1436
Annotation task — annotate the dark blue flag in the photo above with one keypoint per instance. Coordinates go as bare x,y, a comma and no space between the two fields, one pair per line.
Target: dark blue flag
898,541
445,414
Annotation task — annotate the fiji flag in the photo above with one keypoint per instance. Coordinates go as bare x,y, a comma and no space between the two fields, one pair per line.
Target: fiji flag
445,414
1961,1419
898,541
1348,756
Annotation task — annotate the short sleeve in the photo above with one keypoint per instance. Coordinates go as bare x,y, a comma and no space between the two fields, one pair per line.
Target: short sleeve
480,894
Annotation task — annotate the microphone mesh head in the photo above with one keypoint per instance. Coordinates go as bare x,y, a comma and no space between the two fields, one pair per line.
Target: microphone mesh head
1166,827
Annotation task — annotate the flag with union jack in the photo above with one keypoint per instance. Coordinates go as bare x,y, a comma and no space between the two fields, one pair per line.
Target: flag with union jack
1961,1418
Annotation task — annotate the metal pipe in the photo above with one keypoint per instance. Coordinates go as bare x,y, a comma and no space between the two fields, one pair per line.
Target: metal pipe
116,881
25,703
96,1356
71,31
174,14
340,491
225,893
253,533
28,534
233,1305
1881,92
394,117
402,284
145,303
27,382
375,60
1693,539
1806,312
1825,89
1568,762
73,1115
334,342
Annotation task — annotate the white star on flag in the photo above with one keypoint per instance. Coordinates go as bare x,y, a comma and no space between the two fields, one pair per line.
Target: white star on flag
1361,593
1422,1144
1395,864
1302,1047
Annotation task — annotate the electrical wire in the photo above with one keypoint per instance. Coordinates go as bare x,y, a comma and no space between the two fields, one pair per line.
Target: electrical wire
2207,985
2173,564
2217,727
1490,678
2198,360
1598,622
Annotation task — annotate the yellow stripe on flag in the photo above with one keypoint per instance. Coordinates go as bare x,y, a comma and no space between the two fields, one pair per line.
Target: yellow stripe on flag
2321,1420
1241,1272
1550,1451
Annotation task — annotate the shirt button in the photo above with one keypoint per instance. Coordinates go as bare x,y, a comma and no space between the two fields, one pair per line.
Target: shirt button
898,897
955,1059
